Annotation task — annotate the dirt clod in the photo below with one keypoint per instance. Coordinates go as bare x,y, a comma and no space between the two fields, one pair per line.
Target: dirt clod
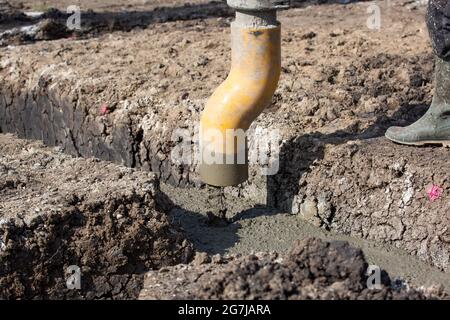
49,29
58,211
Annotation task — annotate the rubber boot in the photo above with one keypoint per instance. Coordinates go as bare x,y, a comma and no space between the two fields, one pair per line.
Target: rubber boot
434,126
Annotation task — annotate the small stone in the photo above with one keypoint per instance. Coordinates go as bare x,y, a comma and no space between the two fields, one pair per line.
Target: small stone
339,286
153,91
216,259
201,258
308,210
295,205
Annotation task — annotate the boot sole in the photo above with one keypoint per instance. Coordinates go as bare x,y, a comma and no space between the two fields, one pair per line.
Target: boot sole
443,143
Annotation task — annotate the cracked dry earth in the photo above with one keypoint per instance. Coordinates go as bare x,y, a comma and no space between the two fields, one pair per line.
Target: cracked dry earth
119,94
57,211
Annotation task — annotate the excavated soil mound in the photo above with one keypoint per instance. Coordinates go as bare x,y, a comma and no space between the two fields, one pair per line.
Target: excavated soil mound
354,191
52,23
311,270
8,13
57,211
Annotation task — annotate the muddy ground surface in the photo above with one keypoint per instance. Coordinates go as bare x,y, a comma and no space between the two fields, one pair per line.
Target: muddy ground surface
255,228
57,211
24,22
311,270
119,94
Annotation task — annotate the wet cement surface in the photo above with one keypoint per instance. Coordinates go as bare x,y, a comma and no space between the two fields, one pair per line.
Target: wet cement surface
255,228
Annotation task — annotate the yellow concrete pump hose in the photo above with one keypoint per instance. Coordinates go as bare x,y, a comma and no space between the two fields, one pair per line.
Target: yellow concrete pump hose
248,89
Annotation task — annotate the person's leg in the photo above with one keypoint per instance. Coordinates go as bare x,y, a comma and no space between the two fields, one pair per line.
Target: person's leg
438,23
434,126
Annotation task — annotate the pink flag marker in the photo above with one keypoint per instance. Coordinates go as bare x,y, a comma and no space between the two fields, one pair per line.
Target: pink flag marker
434,192
104,109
